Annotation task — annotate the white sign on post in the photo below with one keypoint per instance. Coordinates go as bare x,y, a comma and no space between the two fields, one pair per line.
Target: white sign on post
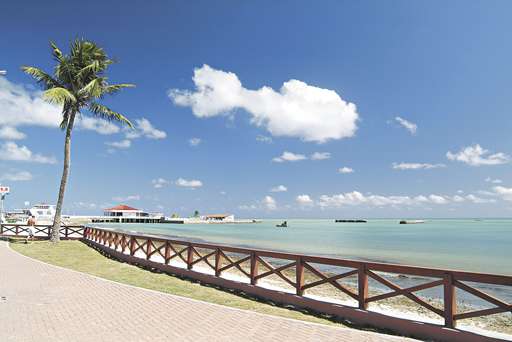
4,190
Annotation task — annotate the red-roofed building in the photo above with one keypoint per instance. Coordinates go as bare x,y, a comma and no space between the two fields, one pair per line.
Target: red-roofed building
121,207
124,211
125,214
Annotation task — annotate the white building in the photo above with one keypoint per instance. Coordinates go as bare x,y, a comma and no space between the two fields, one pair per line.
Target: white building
219,218
126,214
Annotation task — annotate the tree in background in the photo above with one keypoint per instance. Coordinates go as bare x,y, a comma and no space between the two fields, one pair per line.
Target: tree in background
78,82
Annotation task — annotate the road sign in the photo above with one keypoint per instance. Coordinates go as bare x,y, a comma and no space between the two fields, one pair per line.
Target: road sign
4,190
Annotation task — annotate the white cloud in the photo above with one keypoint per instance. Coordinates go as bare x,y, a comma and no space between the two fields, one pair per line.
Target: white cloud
410,126
144,128
476,156
98,125
504,193
475,199
279,188
126,198
304,200
264,139
11,133
320,156
194,141
123,144
416,166
436,199
458,198
485,193
269,203
345,169
355,198
193,183
16,176
22,107
159,183
289,156
297,110
11,151
248,207
493,181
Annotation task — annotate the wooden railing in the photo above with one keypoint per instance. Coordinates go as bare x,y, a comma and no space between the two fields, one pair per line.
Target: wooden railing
42,230
254,265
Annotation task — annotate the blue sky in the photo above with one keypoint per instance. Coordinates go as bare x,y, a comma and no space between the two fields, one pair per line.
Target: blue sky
406,105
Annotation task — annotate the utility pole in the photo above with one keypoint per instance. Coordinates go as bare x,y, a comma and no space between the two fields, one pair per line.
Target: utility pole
4,191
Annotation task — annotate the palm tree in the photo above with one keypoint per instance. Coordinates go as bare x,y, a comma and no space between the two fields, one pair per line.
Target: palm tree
78,82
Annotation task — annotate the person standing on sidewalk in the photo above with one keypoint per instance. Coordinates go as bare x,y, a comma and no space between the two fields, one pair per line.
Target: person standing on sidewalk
30,229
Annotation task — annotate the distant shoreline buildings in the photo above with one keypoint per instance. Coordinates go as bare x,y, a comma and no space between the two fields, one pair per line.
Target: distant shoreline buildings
121,213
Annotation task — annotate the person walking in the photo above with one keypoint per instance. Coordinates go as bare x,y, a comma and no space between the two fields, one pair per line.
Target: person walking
30,229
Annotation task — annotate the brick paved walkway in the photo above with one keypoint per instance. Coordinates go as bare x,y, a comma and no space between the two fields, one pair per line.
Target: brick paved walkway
40,302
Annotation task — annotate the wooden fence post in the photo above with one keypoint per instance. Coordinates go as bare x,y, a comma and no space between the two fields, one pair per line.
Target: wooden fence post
148,248
66,233
362,282
254,268
299,277
167,253
450,301
17,230
132,245
190,257
218,261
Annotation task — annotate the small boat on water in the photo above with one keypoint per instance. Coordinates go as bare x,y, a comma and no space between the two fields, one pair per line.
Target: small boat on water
282,225
350,221
411,221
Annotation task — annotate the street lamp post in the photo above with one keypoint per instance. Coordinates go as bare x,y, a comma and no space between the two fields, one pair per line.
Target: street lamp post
2,215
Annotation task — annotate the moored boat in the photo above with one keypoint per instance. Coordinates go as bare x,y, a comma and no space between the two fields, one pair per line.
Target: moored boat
411,221
349,221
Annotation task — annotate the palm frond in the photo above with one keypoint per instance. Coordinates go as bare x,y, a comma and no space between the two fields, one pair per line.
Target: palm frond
93,68
93,89
58,95
41,77
114,88
57,54
108,114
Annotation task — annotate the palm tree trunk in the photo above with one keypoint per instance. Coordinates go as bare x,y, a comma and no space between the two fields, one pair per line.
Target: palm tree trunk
55,236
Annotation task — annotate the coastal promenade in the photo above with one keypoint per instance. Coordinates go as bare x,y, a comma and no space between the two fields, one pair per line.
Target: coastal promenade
41,302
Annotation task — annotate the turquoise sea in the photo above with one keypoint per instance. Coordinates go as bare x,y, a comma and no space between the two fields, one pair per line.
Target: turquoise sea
479,245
